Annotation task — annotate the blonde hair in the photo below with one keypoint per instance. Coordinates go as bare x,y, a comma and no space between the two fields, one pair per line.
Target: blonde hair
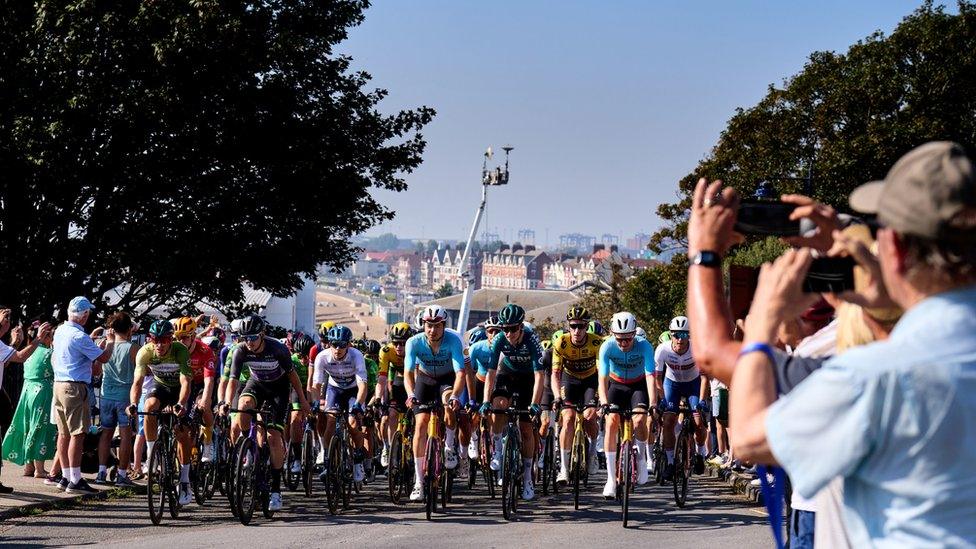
852,329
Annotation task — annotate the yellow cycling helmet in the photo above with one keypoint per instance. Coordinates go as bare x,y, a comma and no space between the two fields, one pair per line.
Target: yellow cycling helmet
185,325
401,331
324,329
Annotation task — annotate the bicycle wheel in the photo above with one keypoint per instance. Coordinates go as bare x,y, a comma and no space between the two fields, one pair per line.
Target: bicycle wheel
333,476
263,479
578,465
393,470
681,469
506,478
292,480
347,483
198,475
484,461
211,478
514,459
245,484
430,478
230,473
156,480
173,481
447,487
658,461
626,472
548,464
308,461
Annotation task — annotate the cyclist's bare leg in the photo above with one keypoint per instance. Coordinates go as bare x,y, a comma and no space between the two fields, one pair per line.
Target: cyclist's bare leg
355,432
149,422
242,423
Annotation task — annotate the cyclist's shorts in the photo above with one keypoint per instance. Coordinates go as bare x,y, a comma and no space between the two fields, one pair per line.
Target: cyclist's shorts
515,386
166,395
428,389
337,398
547,396
398,397
628,396
275,393
674,390
574,390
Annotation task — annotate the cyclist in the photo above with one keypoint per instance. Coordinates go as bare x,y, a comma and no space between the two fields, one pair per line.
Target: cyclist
323,343
301,344
574,371
272,378
434,372
345,368
202,361
370,349
515,369
390,384
626,370
168,362
678,376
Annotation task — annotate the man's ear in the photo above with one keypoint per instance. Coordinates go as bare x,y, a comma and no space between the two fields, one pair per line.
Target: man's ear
895,249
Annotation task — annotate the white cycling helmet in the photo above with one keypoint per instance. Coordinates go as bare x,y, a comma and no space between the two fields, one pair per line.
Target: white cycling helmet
623,323
418,323
435,313
679,324
639,332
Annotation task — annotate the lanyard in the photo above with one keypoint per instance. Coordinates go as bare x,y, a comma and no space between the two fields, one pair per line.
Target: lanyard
774,496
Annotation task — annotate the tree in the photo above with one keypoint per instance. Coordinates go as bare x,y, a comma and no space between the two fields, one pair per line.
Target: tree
169,150
444,291
849,115
657,294
418,246
383,242
431,246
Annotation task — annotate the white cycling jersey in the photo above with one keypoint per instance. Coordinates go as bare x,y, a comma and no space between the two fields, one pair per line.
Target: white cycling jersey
341,373
678,368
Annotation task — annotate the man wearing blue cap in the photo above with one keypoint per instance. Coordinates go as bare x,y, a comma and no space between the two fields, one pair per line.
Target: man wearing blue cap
73,354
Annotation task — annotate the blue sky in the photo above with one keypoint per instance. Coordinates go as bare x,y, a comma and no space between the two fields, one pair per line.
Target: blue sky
607,104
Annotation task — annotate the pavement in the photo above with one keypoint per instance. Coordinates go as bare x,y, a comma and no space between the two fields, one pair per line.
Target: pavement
713,513
31,496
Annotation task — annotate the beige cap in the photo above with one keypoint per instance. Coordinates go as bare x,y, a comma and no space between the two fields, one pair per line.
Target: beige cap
922,192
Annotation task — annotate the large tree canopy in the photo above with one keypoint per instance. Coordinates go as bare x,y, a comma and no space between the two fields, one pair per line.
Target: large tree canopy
851,115
176,148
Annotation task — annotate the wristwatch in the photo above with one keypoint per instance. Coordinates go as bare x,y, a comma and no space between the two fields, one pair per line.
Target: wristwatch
707,259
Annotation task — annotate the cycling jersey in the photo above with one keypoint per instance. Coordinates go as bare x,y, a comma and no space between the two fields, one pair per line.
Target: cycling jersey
165,369
202,362
576,360
526,357
343,373
675,367
273,362
391,364
372,373
227,360
480,355
300,368
626,367
448,359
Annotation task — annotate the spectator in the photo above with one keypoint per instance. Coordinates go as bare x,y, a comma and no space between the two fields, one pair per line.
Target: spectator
72,359
894,414
31,438
116,383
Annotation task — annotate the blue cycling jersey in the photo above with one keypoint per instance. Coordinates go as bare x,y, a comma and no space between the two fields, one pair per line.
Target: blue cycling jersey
449,356
626,367
524,358
480,355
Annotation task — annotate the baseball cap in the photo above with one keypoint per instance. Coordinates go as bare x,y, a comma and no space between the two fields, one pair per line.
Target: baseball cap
923,192
80,304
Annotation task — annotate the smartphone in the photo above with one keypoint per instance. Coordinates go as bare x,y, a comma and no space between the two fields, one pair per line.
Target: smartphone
830,275
766,218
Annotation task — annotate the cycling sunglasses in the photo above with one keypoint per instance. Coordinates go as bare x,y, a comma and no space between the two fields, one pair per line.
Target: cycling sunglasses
682,334
339,344
511,329
161,339
250,338
582,326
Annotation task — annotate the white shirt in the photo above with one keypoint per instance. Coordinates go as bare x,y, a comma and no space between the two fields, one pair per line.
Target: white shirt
6,352
677,368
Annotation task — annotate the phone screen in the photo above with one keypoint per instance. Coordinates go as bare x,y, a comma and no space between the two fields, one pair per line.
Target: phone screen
765,218
830,275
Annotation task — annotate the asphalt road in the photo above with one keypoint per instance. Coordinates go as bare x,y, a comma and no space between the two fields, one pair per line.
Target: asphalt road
713,514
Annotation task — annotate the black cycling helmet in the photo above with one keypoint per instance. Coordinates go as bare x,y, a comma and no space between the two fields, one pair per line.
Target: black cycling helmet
252,325
340,334
476,335
161,328
511,314
373,347
302,344
578,312
359,344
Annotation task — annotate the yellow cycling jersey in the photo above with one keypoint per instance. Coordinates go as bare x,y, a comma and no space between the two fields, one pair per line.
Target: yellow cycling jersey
390,361
578,360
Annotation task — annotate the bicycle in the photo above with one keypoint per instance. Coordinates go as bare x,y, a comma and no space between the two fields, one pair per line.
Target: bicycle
438,479
310,449
203,474
550,466
511,470
627,458
579,458
399,473
163,479
371,423
338,473
486,449
683,454
252,467
658,457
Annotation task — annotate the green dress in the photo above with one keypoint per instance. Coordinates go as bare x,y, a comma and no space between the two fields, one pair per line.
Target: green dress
32,435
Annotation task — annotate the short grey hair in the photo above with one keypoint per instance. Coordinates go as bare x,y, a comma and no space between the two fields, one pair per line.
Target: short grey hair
77,317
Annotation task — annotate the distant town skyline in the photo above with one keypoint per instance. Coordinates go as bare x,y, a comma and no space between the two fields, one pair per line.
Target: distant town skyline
607,105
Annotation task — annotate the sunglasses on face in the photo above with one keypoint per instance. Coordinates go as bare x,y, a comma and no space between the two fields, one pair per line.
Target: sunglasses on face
578,326
250,338
163,340
511,329
680,335
339,344
399,343
624,339
433,322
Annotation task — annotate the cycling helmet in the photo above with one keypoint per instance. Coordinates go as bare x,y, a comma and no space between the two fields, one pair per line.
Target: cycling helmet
339,334
679,323
418,322
433,313
596,328
252,325
212,342
639,332
400,331
324,329
664,337
578,312
161,328
491,321
476,335
302,344
185,325
359,345
546,344
511,314
235,326
623,323
372,347
557,334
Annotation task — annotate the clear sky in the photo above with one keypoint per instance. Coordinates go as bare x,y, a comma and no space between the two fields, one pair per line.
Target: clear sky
607,103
